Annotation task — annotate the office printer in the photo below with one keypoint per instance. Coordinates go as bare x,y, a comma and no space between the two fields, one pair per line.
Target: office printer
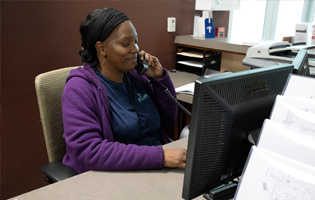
276,53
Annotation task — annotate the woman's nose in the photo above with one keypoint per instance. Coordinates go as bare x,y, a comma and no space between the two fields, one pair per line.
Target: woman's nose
135,48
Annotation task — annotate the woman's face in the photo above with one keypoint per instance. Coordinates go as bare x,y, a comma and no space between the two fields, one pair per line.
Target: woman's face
122,48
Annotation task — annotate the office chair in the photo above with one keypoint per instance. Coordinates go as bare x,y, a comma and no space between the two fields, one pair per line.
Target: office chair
49,88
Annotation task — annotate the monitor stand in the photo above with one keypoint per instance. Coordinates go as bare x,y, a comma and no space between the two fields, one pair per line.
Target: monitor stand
222,192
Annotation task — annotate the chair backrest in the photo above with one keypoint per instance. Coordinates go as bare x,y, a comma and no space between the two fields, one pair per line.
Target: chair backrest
49,88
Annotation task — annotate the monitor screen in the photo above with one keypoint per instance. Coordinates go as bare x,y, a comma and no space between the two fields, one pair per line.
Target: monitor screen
300,62
225,110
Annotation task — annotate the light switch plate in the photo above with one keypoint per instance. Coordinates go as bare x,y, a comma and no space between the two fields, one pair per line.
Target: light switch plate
171,24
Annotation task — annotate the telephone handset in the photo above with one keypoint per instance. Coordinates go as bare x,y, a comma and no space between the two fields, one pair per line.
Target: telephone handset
142,66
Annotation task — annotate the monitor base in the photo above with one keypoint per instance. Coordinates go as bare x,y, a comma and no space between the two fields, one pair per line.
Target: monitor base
222,192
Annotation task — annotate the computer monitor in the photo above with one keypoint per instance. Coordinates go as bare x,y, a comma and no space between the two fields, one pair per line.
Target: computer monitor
300,62
225,110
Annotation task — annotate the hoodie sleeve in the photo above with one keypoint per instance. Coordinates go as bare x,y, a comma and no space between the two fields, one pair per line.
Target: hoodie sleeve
89,138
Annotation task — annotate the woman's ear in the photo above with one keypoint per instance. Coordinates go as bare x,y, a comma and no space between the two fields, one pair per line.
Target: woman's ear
100,48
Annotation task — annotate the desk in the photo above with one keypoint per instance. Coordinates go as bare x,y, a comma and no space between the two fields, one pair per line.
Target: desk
150,184
233,52
216,44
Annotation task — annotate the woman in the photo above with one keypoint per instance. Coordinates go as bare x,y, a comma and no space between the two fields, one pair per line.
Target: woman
112,116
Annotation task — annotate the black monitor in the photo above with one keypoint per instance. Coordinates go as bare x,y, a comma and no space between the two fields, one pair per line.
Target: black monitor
300,62
225,110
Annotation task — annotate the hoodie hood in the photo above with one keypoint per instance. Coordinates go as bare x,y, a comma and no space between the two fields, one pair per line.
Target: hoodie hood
87,73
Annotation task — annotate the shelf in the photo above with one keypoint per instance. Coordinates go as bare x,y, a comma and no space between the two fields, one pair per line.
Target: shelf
193,54
194,60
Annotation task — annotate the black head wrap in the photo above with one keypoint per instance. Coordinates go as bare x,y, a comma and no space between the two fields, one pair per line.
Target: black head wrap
103,25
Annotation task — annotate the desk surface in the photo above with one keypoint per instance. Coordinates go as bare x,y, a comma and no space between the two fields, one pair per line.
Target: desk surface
150,184
217,44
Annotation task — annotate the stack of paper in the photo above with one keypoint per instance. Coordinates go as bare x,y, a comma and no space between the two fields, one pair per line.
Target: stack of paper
192,63
282,166
186,89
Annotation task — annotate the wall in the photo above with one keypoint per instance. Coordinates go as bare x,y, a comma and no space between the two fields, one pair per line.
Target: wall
38,36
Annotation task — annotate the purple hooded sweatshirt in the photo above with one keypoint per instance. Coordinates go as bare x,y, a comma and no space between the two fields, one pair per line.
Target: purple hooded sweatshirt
88,134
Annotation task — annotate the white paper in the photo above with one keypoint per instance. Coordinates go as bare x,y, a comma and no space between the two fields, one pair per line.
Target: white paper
287,142
192,54
217,4
270,176
302,31
195,32
201,27
192,63
300,86
282,166
295,113
203,5
186,89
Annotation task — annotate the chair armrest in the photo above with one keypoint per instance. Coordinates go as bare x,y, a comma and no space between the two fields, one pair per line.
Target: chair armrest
56,171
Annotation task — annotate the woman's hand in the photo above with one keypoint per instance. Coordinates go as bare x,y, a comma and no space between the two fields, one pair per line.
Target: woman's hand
175,157
155,68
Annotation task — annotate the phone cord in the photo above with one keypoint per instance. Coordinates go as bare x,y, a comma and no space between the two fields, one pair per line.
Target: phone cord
169,94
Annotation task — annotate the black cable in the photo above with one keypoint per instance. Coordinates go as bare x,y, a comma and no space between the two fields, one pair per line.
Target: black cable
169,94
